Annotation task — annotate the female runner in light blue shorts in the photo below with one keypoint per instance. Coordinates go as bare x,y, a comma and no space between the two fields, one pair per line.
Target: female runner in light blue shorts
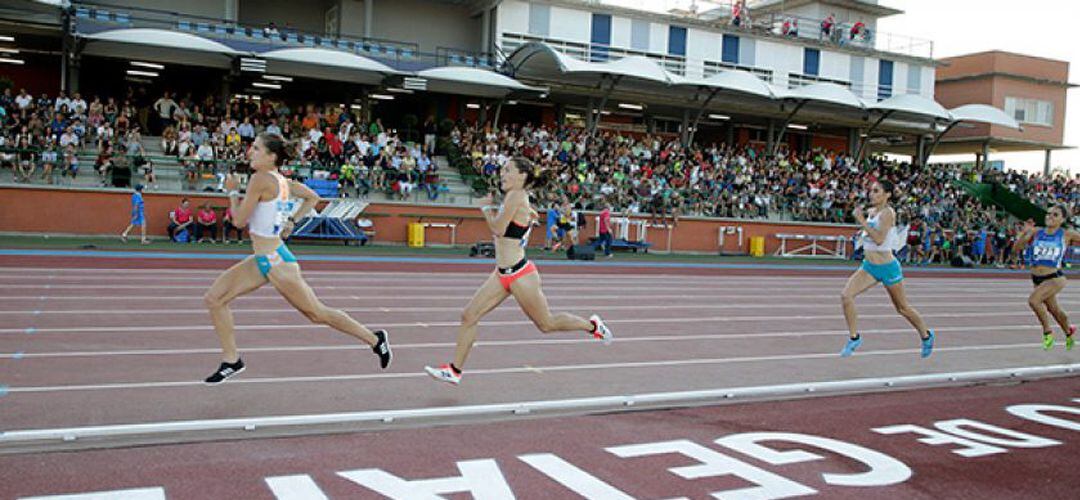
879,265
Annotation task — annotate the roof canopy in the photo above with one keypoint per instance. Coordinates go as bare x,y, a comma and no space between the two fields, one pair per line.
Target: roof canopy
829,93
735,81
160,45
326,64
912,105
983,114
472,82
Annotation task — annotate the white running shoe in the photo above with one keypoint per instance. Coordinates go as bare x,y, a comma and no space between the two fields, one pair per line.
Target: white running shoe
600,330
444,373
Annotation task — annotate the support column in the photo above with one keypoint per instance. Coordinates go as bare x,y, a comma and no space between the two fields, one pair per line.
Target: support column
730,139
560,114
854,136
684,130
916,159
985,154
232,10
590,117
1046,164
369,15
498,111
769,143
485,33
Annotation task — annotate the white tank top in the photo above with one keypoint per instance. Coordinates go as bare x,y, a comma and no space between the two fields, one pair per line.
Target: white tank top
892,239
269,216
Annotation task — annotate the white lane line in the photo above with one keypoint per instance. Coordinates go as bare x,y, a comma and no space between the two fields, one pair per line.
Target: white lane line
699,319
516,370
510,343
268,293
614,273
582,404
576,306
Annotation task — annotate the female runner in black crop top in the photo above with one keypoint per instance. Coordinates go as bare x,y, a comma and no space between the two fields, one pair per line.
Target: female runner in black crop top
514,274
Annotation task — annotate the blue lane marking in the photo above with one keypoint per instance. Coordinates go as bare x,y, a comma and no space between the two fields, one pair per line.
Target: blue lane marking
848,266
30,330
18,355
3,390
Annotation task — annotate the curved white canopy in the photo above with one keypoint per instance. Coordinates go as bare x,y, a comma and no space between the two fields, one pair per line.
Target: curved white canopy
162,38
914,105
737,81
162,46
326,64
540,60
472,81
821,92
983,113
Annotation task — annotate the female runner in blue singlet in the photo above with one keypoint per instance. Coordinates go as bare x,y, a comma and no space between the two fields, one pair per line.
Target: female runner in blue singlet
880,265
514,273
1048,247
267,210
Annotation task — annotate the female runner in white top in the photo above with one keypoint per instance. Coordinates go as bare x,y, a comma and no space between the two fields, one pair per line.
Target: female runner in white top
267,210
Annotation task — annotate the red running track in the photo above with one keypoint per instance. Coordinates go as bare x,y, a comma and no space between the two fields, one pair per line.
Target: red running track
1022,441
85,343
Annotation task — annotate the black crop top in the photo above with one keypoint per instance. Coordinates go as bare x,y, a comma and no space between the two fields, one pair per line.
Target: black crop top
513,230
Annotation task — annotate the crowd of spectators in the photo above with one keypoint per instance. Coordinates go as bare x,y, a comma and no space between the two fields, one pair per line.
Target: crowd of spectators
208,138
40,139
650,174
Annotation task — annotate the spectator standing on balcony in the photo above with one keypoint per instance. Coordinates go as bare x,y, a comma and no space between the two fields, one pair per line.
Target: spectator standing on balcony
827,25
23,101
138,216
880,240
24,164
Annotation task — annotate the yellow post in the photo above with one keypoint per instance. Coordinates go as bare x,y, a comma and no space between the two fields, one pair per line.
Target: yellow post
416,234
757,246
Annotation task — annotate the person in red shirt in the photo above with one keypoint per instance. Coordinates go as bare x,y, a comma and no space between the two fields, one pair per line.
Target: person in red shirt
605,229
180,219
206,224
228,227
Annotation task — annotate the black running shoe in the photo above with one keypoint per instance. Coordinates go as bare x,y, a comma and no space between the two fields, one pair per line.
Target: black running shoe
382,348
224,372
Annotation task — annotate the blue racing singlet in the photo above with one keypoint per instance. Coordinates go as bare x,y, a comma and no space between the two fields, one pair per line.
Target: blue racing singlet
1048,249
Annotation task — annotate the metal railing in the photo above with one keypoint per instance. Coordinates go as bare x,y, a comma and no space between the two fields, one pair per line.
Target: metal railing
90,17
781,24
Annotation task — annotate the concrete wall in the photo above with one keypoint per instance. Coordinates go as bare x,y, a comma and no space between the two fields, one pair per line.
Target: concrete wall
206,8
990,77
306,16
67,211
430,24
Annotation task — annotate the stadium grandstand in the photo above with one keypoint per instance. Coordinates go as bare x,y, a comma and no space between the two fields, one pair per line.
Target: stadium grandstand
726,152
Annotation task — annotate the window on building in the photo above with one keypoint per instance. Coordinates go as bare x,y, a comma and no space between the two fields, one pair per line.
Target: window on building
811,61
677,41
601,36
1031,111
885,79
539,19
639,34
914,79
730,50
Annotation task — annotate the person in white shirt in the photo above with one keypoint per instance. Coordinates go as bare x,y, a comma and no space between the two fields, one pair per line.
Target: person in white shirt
78,105
23,100
61,101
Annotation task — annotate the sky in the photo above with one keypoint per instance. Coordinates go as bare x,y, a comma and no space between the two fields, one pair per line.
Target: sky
1044,28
